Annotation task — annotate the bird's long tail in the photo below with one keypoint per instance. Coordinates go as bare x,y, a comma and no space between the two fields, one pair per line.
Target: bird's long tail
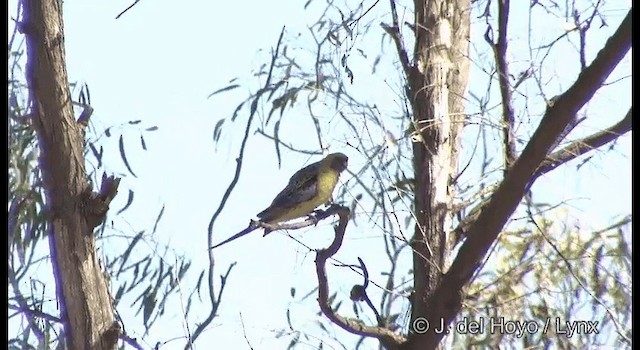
252,226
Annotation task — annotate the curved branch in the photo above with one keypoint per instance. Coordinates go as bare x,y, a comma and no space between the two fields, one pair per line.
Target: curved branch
215,300
387,337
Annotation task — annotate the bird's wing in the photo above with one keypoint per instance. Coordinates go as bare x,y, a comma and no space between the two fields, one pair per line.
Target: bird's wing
301,187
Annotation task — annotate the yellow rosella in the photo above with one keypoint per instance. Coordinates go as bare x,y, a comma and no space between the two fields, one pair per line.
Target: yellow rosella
307,189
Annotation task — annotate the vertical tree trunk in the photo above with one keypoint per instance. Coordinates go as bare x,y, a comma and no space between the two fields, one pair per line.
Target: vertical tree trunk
72,209
437,85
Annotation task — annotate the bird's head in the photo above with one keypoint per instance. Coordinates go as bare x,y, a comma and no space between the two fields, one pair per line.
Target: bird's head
338,161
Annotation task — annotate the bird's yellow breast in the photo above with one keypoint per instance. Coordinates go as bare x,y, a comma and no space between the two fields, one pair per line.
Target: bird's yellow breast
327,181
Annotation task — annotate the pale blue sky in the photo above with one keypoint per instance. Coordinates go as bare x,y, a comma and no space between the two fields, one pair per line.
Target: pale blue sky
159,62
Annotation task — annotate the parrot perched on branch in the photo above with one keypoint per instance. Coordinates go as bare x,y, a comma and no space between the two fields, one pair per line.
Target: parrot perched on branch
307,189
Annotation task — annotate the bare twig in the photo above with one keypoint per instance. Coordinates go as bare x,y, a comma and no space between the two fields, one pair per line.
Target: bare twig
584,145
364,13
215,300
582,31
286,145
244,332
394,32
128,8
390,339
500,53
359,292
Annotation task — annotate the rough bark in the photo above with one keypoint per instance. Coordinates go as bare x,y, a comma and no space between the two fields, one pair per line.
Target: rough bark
437,84
73,210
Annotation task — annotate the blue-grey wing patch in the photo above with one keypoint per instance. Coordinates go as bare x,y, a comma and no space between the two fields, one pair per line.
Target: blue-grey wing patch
291,197
302,186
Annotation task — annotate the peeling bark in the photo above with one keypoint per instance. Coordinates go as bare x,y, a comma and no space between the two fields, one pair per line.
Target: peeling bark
437,83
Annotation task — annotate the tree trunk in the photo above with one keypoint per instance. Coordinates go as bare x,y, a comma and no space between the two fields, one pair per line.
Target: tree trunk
72,209
437,86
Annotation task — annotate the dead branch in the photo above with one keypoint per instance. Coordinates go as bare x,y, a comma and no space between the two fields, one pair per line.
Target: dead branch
127,9
500,53
386,336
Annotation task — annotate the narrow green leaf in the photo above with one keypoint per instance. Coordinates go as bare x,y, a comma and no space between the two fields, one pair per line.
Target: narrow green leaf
144,145
124,157
155,225
217,130
276,140
126,206
226,88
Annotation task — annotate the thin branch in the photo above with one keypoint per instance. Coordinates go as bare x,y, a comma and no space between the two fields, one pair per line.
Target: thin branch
359,292
585,145
394,32
363,14
582,31
128,8
500,53
446,300
215,301
288,146
244,332
387,337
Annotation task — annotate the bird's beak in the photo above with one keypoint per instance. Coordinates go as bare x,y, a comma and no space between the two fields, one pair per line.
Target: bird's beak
344,164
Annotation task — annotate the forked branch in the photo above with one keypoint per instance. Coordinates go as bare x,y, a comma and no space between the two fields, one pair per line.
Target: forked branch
387,337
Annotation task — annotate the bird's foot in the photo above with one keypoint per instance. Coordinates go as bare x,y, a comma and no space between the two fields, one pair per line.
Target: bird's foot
329,202
313,216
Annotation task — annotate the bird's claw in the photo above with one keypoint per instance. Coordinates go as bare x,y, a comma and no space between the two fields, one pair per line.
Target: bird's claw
313,216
